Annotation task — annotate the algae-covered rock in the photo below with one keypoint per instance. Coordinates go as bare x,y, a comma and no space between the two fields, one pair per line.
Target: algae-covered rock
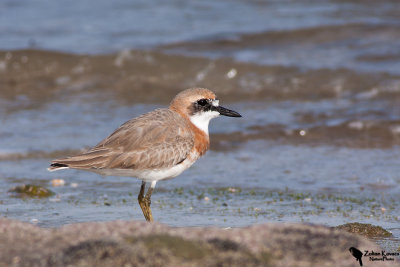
155,250
29,190
130,243
364,229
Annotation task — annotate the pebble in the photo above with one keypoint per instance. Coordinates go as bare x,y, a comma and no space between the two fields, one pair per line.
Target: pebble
57,182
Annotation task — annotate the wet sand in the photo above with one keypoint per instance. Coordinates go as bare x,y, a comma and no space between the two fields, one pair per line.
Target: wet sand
348,109
137,76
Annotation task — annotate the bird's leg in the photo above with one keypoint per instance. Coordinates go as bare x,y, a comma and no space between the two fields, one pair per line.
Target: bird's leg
142,202
145,201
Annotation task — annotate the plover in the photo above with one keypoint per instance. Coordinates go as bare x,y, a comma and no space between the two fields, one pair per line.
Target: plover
155,146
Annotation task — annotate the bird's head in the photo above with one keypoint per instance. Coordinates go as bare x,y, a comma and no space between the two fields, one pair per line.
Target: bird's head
200,105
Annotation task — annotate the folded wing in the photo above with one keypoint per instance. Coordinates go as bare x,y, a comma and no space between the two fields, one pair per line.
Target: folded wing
155,140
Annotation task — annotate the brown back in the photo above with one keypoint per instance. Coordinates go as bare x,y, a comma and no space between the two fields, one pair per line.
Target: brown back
155,140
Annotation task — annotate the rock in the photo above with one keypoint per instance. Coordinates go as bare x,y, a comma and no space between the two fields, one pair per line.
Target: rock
364,229
132,243
29,190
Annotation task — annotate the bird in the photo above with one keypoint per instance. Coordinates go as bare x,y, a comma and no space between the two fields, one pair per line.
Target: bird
357,254
155,146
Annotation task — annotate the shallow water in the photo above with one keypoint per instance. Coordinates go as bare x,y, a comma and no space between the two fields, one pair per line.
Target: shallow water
317,83
104,26
247,178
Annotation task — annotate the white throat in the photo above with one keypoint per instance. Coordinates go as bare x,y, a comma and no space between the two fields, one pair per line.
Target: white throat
202,119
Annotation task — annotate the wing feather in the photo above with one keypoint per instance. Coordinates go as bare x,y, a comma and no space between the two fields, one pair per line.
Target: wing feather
156,140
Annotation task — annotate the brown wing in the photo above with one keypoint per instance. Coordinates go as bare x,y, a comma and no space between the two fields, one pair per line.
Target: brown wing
159,139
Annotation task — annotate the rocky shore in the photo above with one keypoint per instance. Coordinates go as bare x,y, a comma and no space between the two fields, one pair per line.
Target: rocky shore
134,243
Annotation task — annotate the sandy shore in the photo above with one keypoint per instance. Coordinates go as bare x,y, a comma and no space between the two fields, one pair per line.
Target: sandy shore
32,79
143,76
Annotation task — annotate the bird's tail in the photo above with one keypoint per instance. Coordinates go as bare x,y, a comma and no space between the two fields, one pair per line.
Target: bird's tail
96,158
360,261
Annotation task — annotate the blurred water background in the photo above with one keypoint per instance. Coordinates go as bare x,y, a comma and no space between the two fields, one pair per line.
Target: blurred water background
317,83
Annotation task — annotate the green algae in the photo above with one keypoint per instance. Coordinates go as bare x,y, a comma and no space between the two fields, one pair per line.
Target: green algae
261,204
178,246
31,191
367,230
213,252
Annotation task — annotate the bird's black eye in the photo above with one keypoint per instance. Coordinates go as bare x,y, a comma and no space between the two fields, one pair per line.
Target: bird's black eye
202,102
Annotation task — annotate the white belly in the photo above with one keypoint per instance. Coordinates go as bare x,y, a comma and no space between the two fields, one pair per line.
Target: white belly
148,175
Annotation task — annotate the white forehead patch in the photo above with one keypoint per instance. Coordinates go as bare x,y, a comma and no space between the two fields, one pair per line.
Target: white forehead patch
202,119
215,103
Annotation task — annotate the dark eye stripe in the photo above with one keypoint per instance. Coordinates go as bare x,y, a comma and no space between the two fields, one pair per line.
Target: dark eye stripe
201,105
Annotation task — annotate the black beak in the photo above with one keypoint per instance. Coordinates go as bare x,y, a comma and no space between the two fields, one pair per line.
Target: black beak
227,112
